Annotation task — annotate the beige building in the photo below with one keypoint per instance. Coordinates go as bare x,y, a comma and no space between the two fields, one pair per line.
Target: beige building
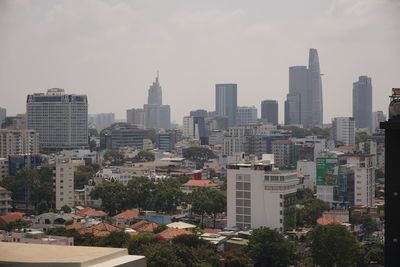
18,141
32,236
3,168
5,200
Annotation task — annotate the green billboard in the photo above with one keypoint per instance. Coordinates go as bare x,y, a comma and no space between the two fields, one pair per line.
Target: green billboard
327,171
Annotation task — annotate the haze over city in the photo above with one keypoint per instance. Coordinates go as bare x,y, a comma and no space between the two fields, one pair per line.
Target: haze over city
111,51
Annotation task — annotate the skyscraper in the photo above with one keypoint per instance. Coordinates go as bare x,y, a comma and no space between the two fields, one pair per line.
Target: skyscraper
303,104
60,119
135,116
3,115
246,115
343,131
362,102
156,115
226,102
269,111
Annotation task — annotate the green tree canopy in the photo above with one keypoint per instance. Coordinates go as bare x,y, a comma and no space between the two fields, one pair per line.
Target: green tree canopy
310,208
66,209
166,198
236,258
83,174
197,154
115,157
208,201
161,254
333,245
269,248
140,193
113,196
144,156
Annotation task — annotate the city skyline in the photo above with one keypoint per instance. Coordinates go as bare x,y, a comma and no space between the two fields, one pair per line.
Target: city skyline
111,50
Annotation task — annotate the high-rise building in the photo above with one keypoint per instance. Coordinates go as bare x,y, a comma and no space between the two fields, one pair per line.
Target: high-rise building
343,131
60,119
269,111
166,140
64,181
135,116
156,115
3,115
199,113
194,128
377,118
18,121
101,120
3,168
18,141
246,115
121,135
226,102
362,102
258,195
303,105
283,151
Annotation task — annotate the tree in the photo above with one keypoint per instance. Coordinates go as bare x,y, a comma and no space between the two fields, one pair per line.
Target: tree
83,174
198,155
166,198
66,209
115,240
19,224
160,228
193,251
368,222
371,253
161,254
138,242
310,210
42,207
112,194
333,245
208,201
115,157
362,137
150,134
236,258
140,193
269,248
298,132
144,156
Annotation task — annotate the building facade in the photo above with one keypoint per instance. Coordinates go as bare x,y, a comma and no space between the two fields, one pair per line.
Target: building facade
259,196
362,102
18,141
121,135
5,201
269,111
283,151
101,120
3,115
135,116
246,115
61,120
226,102
344,131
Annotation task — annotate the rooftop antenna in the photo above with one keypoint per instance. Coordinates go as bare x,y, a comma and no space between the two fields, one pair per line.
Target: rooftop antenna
157,76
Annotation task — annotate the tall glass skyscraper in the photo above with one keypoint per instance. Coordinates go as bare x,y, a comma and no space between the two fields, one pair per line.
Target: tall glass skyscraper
303,105
226,102
362,102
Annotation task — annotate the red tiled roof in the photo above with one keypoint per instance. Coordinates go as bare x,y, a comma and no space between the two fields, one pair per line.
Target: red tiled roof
144,226
211,231
2,189
200,183
11,217
91,213
328,220
170,233
128,214
101,229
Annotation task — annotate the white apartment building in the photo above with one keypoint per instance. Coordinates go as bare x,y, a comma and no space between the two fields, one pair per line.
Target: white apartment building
234,140
60,119
308,169
246,115
283,151
343,131
18,141
260,195
113,174
64,181
364,167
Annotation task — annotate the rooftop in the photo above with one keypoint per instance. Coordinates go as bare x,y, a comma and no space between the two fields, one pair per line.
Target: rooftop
200,183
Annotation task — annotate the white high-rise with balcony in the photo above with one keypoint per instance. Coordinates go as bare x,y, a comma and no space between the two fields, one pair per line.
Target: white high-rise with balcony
343,131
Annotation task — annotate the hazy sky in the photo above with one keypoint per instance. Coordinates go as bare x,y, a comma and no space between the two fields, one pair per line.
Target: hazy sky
111,50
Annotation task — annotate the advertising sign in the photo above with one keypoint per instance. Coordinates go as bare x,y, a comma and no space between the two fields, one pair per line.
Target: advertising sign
327,171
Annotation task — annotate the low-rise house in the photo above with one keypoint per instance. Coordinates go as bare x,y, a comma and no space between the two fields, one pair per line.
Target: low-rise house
181,225
127,217
32,236
144,226
89,212
191,185
100,230
52,220
170,233
10,217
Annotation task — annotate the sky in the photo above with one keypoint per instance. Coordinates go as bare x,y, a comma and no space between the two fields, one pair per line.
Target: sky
112,50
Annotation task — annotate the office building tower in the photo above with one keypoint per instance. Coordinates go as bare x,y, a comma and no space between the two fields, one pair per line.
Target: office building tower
362,102
16,162
166,140
226,102
343,131
269,111
195,128
259,195
377,118
121,135
135,116
15,122
199,113
246,115
156,115
64,183
101,120
61,120
303,105
18,141
3,115
283,151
